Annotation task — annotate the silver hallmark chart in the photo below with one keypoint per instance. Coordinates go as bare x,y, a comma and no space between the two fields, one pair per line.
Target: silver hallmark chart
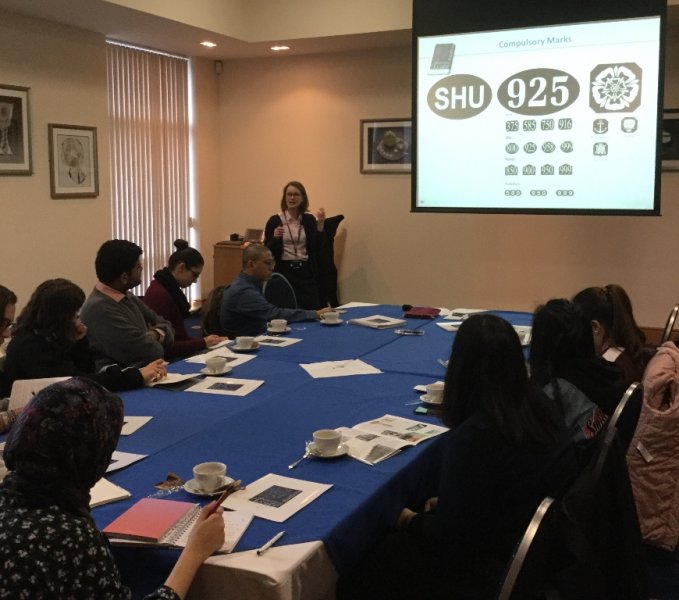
554,118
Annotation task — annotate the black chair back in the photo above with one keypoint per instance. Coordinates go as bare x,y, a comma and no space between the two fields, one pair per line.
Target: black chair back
529,544
669,326
279,292
626,414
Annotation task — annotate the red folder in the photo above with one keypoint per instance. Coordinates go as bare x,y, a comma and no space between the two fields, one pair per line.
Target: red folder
422,312
148,519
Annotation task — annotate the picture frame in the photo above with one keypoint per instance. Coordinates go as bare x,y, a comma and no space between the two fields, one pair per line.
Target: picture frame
386,145
15,131
73,161
670,140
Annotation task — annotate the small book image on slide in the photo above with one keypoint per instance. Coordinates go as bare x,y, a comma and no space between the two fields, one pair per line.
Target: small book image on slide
442,60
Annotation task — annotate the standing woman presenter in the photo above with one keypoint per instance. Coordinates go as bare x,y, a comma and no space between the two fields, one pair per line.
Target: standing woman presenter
294,237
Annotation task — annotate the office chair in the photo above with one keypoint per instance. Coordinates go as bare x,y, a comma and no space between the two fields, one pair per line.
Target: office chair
626,414
669,326
516,565
279,292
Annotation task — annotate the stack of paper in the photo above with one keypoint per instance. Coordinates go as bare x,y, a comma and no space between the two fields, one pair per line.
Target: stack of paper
378,322
104,492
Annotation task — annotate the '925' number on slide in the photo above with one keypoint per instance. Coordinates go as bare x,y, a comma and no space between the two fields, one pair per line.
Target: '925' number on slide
538,92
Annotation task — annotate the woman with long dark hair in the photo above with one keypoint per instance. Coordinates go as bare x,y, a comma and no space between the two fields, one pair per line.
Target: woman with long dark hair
617,337
166,298
563,362
50,340
505,452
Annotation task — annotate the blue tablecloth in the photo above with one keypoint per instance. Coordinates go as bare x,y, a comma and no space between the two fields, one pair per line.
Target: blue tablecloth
266,430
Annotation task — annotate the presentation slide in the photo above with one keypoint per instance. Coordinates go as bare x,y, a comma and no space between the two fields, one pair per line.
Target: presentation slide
559,118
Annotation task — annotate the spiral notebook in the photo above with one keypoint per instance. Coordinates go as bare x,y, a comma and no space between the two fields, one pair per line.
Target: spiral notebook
160,522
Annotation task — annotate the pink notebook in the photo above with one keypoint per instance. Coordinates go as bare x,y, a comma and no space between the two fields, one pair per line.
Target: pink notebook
150,519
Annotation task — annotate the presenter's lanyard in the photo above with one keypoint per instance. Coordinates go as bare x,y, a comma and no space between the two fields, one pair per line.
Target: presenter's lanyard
299,233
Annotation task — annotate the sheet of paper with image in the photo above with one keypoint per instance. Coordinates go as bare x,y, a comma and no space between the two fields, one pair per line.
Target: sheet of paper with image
276,341
369,447
378,322
131,424
408,430
232,358
460,314
173,379
339,368
275,498
226,386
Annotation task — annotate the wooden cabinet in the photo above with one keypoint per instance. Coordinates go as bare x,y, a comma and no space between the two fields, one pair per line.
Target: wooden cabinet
228,260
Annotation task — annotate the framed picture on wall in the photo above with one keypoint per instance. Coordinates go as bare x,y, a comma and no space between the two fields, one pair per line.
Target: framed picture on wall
386,145
670,140
15,140
73,161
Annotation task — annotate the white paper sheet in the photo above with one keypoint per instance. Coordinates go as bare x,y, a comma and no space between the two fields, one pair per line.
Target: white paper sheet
378,322
131,424
24,389
339,368
276,498
357,304
104,492
173,378
462,313
226,386
450,326
120,460
276,341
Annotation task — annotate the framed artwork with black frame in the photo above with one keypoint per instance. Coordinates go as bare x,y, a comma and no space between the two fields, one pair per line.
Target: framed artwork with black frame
15,138
73,161
386,145
670,140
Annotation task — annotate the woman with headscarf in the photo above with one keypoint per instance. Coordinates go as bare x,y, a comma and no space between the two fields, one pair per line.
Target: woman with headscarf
59,447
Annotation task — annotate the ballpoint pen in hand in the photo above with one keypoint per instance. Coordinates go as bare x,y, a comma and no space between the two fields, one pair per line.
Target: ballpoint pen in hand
230,489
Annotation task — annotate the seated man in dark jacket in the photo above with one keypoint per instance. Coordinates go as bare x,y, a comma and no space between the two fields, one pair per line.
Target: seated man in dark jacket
245,310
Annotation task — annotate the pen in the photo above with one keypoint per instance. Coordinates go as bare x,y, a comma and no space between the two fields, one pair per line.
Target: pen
270,543
229,490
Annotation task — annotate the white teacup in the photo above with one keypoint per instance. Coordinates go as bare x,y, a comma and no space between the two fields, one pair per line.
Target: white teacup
209,475
245,342
330,317
327,441
216,364
435,391
277,325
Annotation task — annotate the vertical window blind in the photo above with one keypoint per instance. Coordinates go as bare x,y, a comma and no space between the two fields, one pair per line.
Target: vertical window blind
148,109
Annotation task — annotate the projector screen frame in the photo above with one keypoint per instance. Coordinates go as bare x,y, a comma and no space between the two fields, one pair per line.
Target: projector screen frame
433,18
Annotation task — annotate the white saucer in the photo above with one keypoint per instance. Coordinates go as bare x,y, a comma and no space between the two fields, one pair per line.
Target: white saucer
338,322
224,371
191,486
342,450
272,332
252,348
424,398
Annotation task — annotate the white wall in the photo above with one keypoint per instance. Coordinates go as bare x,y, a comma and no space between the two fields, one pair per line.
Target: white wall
298,118
263,122
65,69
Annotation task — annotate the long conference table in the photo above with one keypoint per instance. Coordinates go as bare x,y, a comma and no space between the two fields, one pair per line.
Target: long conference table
265,431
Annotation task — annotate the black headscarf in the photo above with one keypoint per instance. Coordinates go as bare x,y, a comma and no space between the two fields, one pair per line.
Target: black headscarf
166,279
61,444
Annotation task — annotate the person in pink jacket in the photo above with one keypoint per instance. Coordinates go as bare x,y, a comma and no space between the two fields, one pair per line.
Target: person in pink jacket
165,297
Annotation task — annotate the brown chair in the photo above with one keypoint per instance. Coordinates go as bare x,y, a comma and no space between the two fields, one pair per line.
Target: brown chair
669,326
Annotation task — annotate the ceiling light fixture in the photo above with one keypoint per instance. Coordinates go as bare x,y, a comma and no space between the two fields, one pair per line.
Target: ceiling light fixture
279,48
208,44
